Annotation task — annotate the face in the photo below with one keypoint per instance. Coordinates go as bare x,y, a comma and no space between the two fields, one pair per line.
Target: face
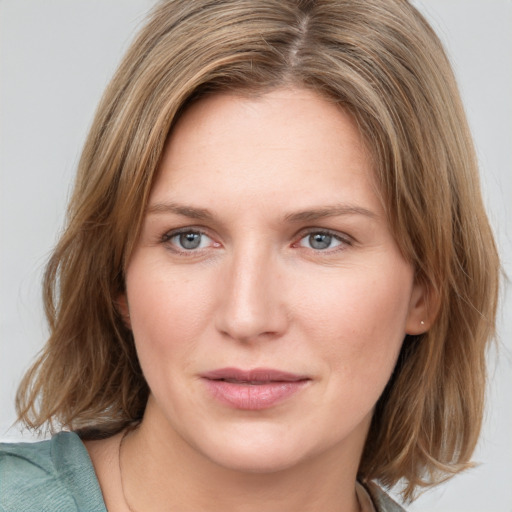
267,297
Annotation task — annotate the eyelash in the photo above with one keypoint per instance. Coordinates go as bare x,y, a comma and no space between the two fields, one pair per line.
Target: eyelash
343,239
169,235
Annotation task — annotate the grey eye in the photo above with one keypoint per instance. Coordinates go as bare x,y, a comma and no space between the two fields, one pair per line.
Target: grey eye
319,241
190,240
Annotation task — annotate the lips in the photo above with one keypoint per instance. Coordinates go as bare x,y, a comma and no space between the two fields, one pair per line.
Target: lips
255,389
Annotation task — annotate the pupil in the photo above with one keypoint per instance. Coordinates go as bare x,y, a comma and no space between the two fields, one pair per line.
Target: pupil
190,240
320,241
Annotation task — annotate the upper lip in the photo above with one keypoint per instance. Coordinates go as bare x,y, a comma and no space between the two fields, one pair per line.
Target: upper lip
253,375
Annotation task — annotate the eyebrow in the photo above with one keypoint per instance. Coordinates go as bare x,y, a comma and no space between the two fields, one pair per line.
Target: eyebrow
301,216
329,211
186,211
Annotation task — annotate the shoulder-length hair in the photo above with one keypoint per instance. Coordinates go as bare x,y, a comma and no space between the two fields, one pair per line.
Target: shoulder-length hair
381,61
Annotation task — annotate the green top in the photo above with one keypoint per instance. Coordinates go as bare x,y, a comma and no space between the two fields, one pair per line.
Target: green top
58,476
49,476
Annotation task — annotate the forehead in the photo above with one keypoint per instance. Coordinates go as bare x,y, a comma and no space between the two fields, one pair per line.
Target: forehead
285,141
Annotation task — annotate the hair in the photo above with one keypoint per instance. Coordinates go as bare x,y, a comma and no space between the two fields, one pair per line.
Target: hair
380,61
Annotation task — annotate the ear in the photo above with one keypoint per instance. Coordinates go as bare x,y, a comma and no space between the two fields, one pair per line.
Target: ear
423,308
124,310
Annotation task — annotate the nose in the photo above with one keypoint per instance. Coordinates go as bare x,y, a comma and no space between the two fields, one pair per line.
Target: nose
251,301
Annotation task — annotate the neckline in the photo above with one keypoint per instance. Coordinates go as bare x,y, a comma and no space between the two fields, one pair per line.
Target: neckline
75,470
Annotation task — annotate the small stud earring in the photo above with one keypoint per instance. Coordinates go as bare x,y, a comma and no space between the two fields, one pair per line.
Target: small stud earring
422,323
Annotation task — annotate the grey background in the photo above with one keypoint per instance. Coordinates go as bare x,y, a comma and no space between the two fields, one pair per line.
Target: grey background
56,57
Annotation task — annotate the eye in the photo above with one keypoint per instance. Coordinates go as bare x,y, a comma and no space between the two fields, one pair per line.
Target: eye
322,240
188,240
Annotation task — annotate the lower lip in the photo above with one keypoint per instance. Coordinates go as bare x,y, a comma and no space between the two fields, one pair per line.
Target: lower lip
253,397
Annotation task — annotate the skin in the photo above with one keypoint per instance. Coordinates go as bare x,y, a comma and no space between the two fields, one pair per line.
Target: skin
271,171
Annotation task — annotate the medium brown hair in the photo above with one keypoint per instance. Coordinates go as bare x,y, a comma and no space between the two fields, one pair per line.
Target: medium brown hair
380,60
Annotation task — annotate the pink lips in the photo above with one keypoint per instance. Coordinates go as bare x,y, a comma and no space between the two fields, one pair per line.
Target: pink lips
255,389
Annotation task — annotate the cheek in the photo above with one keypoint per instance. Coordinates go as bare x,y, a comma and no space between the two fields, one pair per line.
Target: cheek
358,319
167,315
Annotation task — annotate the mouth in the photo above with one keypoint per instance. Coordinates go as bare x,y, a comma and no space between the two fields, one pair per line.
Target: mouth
255,389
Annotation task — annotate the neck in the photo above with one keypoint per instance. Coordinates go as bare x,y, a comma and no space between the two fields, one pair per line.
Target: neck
161,471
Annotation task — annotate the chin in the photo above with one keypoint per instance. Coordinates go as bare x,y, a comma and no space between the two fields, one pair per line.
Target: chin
256,461
258,451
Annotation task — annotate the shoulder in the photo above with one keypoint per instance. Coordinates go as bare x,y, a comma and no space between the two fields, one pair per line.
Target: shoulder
382,501
54,475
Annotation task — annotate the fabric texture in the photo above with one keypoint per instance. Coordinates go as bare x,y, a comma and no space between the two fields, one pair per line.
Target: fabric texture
58,476
49,476
381,501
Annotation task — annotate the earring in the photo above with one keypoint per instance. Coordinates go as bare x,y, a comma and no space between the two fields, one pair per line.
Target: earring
422,323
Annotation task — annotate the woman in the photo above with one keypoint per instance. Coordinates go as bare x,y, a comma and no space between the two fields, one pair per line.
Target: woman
275,258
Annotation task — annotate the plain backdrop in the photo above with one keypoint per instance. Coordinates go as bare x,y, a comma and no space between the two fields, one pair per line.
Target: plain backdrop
56,57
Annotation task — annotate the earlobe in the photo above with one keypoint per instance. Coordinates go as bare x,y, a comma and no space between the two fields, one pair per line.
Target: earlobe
124,310
423,308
